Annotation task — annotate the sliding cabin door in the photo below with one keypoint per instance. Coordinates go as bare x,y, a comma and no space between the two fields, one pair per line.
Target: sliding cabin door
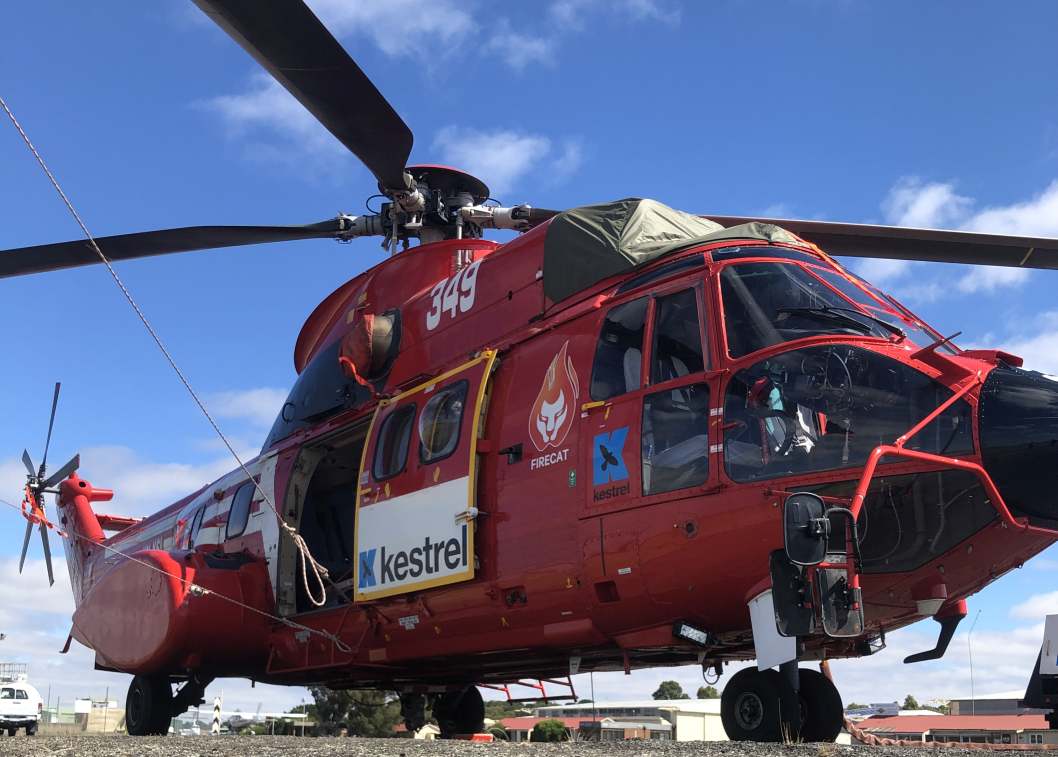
417,490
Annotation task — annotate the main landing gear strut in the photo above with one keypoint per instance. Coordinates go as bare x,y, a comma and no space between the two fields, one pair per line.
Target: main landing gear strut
789,704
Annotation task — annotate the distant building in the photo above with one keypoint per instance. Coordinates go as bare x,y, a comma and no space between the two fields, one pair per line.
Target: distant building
688,719
519,729
1004,703
979,729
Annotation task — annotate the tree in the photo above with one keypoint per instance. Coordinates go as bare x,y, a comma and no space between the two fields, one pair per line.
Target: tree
910,703
549,730
361,713
670,690
708,692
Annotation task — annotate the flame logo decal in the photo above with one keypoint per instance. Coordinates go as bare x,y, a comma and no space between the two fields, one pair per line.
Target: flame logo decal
552,413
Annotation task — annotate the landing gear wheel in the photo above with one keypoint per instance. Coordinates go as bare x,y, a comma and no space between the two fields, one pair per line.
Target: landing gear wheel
823,715
460,712
413,710
148,706
759,706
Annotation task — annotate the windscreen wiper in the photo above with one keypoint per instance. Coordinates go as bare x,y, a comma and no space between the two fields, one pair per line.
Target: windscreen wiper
891,328
839,314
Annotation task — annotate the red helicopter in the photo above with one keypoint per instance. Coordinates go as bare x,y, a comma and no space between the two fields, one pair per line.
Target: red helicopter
630,437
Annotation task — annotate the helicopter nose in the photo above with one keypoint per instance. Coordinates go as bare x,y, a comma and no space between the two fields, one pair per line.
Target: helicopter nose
1019,440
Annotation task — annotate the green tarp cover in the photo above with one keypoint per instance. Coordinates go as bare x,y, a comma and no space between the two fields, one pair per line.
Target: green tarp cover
588,244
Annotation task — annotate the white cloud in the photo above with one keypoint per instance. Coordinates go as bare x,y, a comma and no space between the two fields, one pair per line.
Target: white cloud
505,157
399,27
140,486
924,205
568,161
144,486
258,406
916,203
519,49
1036,607
569,15
989,278
1037,217
1040,351
881,270
273,126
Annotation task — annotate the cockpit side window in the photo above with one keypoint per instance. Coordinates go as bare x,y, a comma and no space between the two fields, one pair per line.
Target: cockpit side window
677,349
768,303
619,354
823,408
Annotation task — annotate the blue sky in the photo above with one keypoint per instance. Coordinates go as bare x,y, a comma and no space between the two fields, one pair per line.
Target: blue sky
940,114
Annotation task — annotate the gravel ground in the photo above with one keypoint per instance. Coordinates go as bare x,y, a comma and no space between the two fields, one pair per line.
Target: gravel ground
265,746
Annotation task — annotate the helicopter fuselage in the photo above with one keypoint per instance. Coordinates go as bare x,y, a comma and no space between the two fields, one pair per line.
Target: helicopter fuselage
530,488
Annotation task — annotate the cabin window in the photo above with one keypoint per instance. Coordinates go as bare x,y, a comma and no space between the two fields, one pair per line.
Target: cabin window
391,451
440,421
196,526
21,694
7,693
771,303
239,512
619,355
827,407
676,439
677,347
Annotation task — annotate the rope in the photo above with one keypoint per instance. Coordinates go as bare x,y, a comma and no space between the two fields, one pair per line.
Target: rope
319,572
193,588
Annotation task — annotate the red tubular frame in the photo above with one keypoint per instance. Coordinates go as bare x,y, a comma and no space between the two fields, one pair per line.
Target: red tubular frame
896,449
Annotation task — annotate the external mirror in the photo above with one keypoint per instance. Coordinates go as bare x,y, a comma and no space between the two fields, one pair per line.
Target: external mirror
805,528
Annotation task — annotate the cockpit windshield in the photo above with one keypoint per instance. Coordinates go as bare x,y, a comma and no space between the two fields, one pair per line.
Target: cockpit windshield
767,303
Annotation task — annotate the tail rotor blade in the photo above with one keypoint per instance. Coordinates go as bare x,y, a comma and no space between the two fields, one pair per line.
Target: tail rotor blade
71,465
25,545
51,422
47,552
28,462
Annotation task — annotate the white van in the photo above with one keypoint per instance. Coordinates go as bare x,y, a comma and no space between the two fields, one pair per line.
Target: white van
20,706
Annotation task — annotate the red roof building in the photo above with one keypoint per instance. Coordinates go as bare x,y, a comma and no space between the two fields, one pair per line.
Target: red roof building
518,729
977,729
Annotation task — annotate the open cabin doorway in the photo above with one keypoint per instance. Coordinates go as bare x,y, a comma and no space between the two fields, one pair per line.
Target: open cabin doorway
321,505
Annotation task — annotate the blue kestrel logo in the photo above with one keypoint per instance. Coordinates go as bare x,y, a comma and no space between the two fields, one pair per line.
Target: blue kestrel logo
608,460
367,568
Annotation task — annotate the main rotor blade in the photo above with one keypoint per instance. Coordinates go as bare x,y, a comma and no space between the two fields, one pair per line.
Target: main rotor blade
287,39
51,423
25,545
52,257
935,245
71,465
28,462
47,553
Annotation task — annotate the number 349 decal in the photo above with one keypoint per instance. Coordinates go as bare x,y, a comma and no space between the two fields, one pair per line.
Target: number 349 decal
453,295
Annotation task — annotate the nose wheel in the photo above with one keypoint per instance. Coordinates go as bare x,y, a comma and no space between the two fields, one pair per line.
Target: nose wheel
761,705
822,713
460,712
